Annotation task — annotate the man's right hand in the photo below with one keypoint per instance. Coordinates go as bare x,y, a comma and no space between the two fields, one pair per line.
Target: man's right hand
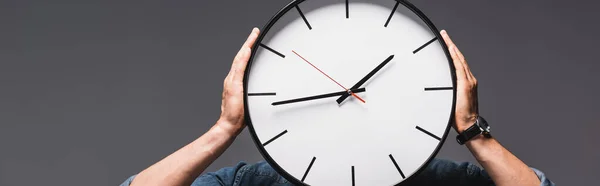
232,104
466,92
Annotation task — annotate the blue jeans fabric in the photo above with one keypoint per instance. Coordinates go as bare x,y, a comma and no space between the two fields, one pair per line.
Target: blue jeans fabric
439,172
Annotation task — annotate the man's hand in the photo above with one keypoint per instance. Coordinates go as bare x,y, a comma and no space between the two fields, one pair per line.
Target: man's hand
232,104
504,168
466,102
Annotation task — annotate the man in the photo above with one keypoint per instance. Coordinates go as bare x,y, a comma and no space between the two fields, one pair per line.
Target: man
184,166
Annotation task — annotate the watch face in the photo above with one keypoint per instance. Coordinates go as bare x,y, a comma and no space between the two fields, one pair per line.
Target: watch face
349,92
483,124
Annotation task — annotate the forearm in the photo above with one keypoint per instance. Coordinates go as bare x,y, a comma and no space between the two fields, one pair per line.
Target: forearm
187,163
502,166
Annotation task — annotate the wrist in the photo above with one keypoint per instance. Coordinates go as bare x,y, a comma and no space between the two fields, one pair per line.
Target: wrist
464,123
477,141
460,128
229,127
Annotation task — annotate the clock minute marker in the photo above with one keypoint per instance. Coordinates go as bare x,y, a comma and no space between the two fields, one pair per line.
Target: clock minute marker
392,14
397,167
272,50
425,45
438,88
274,138
308,169
353,182
429,133
303,17
347,10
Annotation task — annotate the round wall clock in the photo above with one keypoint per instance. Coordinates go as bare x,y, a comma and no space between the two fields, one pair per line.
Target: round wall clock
354,92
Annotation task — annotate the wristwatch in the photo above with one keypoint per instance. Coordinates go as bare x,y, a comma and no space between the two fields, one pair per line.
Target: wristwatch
479,127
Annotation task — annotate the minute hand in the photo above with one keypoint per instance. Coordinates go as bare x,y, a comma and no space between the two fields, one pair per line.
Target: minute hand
316,97
364,79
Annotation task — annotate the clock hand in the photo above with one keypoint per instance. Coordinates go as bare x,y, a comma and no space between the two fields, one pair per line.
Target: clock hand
316,97
364,79
347,90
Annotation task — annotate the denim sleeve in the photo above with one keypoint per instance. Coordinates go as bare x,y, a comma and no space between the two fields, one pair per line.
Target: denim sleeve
445,172
128,181
224,176
438,172
545,181
241,174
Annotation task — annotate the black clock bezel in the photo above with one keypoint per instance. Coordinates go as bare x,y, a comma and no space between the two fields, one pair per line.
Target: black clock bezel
266,29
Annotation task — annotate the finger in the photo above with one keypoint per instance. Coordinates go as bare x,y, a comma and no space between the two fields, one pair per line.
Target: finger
227,79
464,64
458,65
461,57
446,38
247,45
241,59
463,60
237,70
252,38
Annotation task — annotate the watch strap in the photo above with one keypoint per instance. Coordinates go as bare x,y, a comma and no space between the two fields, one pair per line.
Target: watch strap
471,132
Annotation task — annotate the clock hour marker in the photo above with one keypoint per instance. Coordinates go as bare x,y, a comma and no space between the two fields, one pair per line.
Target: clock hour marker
397,167
304,18
353,176
263,94
308,169
429,133
274,51
438,88
392,14
347,10
274,138
425,45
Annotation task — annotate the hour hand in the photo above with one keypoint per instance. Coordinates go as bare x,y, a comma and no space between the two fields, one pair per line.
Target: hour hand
317,97
364,79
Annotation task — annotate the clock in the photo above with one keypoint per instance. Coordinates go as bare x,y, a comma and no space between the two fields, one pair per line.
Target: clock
354,92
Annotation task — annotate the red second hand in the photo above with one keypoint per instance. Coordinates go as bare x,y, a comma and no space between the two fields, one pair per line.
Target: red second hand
329,77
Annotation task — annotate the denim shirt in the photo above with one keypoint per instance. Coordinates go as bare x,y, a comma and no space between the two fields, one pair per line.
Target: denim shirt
438,172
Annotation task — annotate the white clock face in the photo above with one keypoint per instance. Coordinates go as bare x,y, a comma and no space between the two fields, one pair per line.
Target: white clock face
311,55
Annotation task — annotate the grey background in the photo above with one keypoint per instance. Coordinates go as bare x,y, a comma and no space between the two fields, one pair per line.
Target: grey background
94,91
